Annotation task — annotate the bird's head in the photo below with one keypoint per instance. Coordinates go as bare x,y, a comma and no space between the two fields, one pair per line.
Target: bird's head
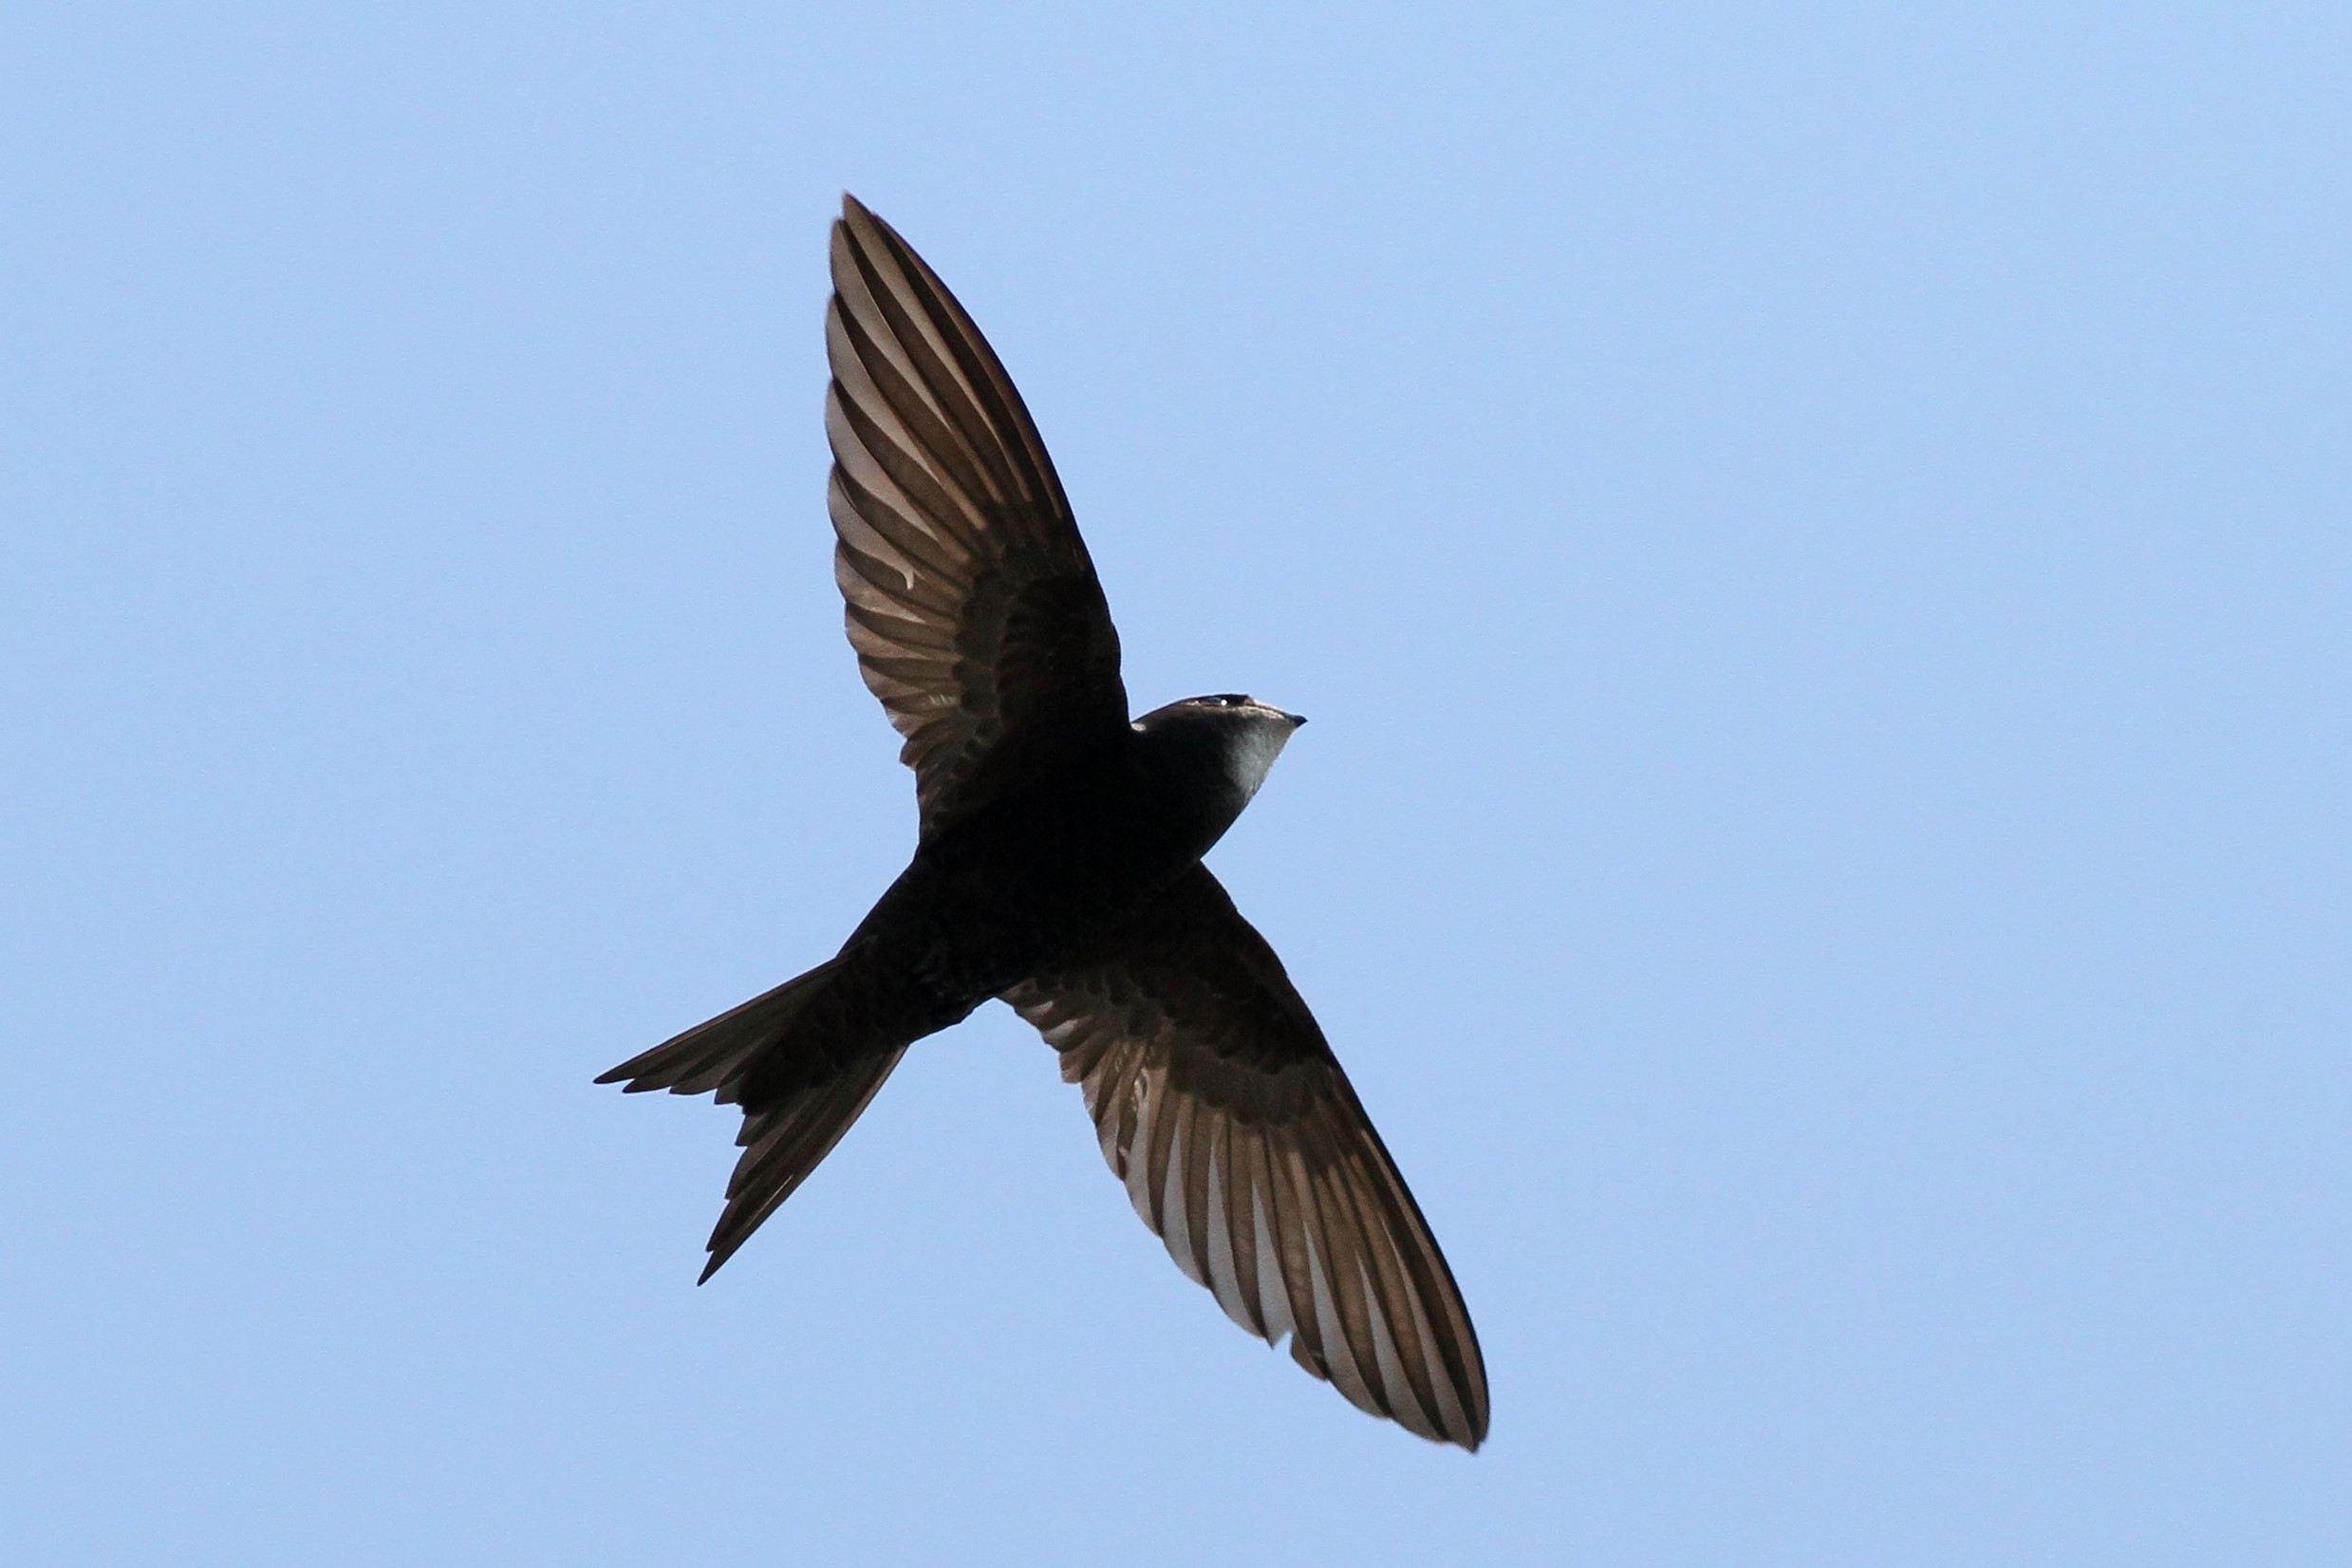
1226,740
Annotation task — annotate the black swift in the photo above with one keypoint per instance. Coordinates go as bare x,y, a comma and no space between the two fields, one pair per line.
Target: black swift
1059,867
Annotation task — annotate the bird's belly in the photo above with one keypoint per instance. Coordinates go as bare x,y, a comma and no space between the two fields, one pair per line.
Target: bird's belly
995,902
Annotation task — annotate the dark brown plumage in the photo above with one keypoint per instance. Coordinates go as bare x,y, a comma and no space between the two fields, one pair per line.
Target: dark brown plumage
1058,867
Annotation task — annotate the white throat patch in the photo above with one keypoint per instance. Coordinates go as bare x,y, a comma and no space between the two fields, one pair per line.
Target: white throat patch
1252,752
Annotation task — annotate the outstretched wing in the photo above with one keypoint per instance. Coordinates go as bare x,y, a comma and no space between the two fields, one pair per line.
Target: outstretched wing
973,607
1223,1108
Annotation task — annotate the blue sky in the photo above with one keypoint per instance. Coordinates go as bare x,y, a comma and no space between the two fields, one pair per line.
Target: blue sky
1814,541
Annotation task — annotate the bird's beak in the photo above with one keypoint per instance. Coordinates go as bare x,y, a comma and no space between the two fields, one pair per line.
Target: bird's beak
1296,719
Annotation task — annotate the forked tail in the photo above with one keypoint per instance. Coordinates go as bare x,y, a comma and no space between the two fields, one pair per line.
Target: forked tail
802,1077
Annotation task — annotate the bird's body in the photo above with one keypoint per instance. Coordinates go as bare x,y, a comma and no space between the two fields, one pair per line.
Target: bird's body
1058,867
1023,882
1028,881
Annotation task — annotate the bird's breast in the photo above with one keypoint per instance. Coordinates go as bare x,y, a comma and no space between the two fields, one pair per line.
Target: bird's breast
1009,890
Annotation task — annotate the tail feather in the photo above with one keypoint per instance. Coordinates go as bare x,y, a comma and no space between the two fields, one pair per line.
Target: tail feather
782,1143
718,1054
813,1084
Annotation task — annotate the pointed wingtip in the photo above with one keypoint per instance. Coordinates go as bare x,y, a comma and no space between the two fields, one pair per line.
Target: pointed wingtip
1476,1417
720,1251
855,231
721,1245
859,224
858,218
